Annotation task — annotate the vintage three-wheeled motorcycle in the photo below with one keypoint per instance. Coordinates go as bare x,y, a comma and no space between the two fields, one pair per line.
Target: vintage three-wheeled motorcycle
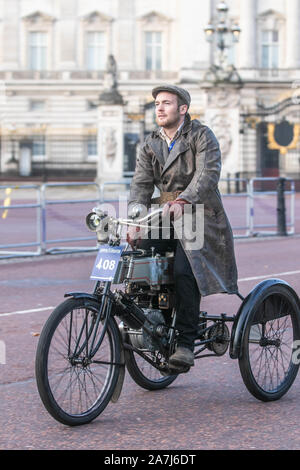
129,323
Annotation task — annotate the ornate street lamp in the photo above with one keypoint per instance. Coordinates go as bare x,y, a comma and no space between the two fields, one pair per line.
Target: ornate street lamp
223,32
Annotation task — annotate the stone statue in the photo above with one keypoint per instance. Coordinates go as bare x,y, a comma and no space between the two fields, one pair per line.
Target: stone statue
110,95
111,72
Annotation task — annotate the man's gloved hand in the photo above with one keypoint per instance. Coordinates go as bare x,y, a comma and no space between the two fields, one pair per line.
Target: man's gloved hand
174,209
136,210
133,235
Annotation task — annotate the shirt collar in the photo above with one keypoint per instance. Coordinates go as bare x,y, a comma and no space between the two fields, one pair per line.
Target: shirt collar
165,137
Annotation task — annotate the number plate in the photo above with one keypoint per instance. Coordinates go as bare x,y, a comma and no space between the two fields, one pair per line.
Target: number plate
106,263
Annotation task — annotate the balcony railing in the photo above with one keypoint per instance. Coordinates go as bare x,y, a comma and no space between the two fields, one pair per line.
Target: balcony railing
85,75
274,74
191,73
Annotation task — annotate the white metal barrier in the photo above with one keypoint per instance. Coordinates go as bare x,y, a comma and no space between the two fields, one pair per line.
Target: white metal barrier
43,205
242,194
12,250
255,195
45,241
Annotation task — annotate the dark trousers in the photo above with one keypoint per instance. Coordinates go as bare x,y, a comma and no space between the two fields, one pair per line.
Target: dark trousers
187,295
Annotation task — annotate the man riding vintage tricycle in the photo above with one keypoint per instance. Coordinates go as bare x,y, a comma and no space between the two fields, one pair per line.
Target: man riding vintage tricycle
177,251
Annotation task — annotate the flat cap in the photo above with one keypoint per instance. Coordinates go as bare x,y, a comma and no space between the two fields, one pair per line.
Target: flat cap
184,94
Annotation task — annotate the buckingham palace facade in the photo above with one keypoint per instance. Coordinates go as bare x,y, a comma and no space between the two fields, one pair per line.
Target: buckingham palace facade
54,66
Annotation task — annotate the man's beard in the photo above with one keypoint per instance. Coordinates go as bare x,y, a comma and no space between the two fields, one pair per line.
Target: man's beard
169,123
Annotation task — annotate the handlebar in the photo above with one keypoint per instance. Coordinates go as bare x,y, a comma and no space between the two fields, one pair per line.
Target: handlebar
109,228
152,216
97,219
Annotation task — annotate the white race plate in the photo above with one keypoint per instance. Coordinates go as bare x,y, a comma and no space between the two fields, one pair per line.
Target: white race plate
106,263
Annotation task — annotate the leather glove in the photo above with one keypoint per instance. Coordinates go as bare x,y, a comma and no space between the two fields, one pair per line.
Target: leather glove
174,209
133,235
136,210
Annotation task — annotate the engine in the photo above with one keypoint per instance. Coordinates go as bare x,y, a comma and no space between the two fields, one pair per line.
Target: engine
156,323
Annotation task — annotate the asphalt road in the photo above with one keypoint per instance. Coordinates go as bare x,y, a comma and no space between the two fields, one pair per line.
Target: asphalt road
208,408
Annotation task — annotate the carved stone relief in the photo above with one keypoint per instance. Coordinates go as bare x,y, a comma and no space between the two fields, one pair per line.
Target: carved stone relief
222,98
221,127
110,145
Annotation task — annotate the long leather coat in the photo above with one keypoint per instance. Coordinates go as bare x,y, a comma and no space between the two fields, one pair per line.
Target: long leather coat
193,167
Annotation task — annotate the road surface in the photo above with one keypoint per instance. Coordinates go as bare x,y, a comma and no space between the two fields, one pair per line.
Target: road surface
208,408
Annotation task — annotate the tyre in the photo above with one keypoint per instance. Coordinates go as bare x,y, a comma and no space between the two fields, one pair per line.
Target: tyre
266,363
73,388
145,374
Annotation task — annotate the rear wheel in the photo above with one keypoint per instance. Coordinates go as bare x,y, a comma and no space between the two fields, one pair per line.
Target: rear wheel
144,374
141,370
267,364
75,388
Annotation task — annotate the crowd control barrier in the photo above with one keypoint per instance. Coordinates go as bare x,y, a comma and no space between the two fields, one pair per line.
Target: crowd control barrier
14,233
60,243
43,217
271,201
239,220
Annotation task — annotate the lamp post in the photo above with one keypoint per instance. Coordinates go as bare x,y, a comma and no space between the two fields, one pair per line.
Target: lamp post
223,32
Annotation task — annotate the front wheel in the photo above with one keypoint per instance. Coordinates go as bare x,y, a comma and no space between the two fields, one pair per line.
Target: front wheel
267,362
74,387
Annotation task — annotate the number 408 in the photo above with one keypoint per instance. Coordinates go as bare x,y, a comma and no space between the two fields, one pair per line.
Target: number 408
106,264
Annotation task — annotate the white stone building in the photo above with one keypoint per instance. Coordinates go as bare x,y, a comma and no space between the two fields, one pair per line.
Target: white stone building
52,64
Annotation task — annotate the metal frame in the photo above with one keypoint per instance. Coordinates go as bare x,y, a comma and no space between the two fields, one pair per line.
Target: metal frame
42,243
255,194
45,203
246,194
6,250
102,292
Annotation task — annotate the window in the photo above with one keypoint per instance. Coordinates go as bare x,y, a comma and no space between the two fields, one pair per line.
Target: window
92,148
36,40
96,50
270,49
131,142
153,43
37,105
38,50
38,148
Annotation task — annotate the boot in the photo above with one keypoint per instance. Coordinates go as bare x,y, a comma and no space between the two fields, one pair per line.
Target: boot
183,357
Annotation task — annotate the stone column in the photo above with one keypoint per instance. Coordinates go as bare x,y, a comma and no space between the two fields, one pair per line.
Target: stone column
110,142
110,127
292,33
248,37
10,31
25,158
222,116
125,40
67,34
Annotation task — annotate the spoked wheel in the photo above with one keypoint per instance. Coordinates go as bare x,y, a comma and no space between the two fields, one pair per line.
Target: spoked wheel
267,364
74,387
144,374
